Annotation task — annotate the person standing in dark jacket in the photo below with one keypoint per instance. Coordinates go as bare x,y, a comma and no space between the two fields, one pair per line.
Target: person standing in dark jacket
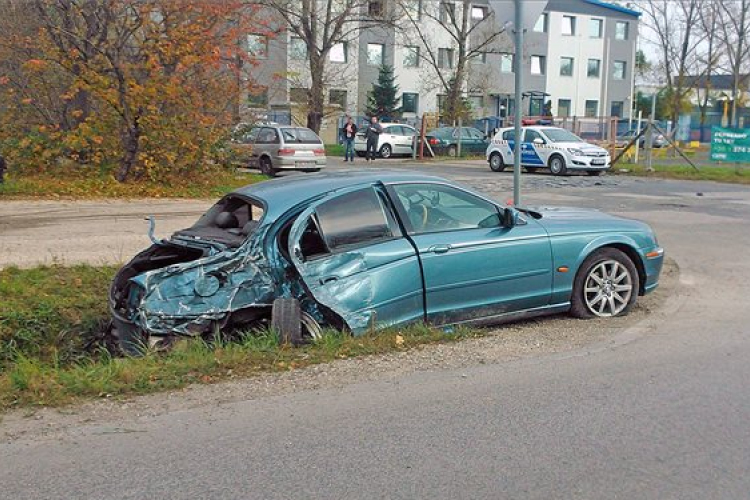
374,129
348,132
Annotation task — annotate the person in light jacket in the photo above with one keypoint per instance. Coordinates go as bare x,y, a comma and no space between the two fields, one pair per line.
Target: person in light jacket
374,129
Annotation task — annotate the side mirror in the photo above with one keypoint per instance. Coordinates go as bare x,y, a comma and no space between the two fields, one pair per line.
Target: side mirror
538,140
510,218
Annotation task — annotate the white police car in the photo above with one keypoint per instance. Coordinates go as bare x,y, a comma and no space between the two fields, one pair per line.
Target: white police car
547,147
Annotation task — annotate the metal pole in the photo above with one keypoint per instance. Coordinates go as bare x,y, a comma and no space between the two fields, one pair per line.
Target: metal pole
519,98
638,143
460,127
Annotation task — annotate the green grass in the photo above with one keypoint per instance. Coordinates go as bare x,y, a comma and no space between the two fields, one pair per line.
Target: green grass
51,319
335,150
731,175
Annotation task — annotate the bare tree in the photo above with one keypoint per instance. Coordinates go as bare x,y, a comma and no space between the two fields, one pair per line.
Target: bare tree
674,26
322,25
735,31
469,28
710,56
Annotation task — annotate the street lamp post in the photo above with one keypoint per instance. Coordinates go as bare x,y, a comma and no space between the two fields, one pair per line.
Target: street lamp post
519,97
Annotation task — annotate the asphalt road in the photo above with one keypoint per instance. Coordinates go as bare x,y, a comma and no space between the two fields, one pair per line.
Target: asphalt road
661,412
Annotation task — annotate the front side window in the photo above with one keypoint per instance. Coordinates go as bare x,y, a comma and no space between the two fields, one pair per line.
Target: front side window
532,135
375,53
566,66
353,219
433,208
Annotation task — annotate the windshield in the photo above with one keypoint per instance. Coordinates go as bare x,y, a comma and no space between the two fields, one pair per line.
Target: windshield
300,136
561,135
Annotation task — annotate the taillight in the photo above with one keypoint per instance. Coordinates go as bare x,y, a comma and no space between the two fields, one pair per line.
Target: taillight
434,141
286,152
319,152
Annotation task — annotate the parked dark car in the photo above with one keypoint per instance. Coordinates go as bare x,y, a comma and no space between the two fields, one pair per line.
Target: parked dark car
444,141
364,250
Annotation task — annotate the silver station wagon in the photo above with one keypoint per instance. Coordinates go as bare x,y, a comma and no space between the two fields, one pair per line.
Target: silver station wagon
272,148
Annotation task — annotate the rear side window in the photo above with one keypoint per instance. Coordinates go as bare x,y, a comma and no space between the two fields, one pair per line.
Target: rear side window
300,136
267,136
356,218
509,135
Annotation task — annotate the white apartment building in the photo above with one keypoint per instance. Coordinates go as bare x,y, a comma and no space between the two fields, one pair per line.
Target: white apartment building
579,61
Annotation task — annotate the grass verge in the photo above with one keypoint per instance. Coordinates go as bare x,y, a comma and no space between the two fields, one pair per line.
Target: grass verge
731,175
85,185
51,317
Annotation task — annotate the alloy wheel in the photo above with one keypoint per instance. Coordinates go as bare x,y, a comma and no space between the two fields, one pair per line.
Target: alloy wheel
608,288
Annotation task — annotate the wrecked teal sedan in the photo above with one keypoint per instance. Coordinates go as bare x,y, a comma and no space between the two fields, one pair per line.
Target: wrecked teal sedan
359,251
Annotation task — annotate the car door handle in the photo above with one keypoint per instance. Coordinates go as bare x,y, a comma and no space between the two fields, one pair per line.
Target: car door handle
439,248
328,279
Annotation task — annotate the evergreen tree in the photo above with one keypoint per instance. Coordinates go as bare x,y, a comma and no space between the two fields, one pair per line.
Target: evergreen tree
382,100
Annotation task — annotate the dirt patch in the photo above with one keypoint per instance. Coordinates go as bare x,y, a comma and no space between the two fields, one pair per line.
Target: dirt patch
543,336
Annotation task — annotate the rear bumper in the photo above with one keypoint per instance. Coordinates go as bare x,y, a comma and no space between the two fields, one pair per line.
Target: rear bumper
292,163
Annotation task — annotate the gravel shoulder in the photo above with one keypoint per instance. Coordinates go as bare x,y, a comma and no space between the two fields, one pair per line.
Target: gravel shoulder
555,336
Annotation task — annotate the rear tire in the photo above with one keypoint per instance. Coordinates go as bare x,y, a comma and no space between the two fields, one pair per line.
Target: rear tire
557,165
266,167
452,151
496,162
286,320
606,285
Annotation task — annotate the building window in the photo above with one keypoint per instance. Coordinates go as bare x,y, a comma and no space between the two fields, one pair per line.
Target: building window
298,95
445,58
337,98
618,71
617,107
566,66
506,63
413,8
592,109
409,102
541,23
478,13
442,100
297,49
477,102
538,65
375,52
481,57
411,57
594,69
622,29
563,108
258,98
375,8
596,28
568,25
447,12
257,46
339,53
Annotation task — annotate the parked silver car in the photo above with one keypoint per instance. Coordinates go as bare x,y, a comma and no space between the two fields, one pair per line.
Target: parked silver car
271,148
396,139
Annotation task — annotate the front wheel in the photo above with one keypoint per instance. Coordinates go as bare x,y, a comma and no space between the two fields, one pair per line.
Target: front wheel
266,167
386,151
557,165
452,151
496,162
606,285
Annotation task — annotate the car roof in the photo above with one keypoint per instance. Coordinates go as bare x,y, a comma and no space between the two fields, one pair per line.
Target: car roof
389,124
280,195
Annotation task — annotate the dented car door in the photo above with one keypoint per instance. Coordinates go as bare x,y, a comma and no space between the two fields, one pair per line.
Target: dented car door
354,259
